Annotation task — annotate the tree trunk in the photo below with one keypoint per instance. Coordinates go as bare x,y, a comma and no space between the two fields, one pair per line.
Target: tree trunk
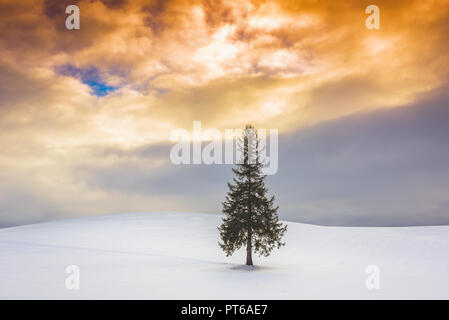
249,258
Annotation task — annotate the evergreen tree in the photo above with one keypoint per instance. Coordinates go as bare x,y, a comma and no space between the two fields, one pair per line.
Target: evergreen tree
250,215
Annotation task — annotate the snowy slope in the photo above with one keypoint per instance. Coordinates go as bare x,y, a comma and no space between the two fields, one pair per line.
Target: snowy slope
176,256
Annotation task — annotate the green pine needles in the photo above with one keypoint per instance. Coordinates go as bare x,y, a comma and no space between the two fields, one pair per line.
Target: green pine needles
251,218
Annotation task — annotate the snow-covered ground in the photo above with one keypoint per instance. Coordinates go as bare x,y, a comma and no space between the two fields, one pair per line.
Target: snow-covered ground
176,256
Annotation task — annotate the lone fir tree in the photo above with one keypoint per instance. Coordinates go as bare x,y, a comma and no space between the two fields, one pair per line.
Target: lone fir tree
250,215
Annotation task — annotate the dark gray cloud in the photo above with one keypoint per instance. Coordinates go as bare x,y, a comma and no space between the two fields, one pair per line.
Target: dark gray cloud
388,167
384,168
21,205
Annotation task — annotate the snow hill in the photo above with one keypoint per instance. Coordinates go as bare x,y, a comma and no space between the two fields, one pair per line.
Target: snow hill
176,256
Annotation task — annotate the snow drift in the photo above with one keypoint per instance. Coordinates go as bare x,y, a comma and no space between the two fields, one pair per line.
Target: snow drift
176,256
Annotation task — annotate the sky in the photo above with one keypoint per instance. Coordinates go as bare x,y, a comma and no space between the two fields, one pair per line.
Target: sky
86,115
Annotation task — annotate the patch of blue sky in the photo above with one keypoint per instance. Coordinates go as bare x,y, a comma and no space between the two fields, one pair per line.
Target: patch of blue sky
89,76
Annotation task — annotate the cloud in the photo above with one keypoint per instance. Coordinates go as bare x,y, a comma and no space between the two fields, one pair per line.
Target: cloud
380,168
78,108
386,168
188,50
